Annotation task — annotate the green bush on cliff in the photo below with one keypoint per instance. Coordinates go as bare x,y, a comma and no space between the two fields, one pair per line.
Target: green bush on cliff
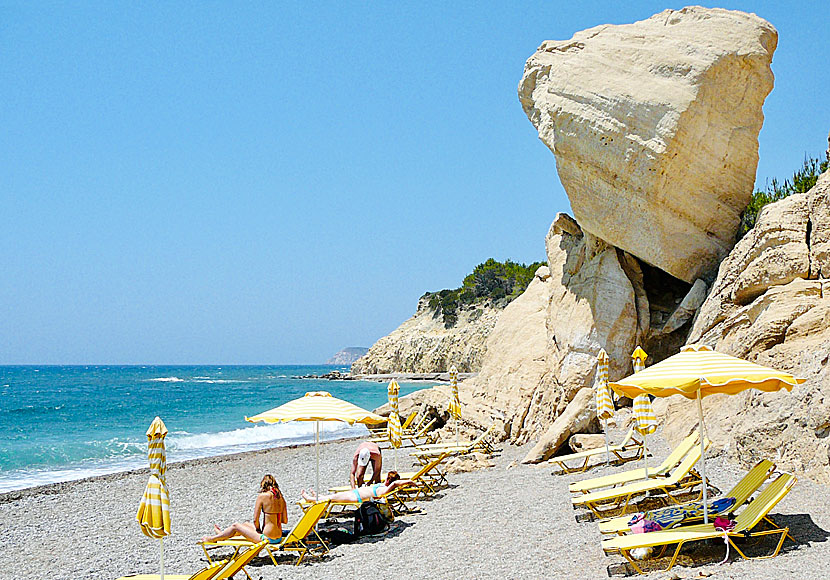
803,179
495,282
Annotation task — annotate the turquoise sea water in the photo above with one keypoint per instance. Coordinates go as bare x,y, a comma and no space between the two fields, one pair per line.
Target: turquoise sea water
60,423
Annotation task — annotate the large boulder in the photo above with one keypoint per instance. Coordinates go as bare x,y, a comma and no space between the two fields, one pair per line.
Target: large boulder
654,126
771,304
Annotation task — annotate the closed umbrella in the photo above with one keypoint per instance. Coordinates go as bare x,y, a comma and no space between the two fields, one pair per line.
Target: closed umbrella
154,510
697,371
646,422
318,406
605,406
393,427
455,401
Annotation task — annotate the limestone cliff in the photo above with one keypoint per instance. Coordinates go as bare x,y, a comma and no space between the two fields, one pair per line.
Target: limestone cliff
771,304
424,344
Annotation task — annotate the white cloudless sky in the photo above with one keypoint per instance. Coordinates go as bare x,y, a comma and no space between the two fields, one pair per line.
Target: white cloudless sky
240,183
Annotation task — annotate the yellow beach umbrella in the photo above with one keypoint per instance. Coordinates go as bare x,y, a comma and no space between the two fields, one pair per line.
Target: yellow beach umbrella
605,406
696,372
645,421
318,406
154,510
455,401
393,427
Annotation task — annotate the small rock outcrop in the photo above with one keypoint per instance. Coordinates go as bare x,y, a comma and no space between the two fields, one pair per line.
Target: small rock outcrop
423,344
654,126
771,304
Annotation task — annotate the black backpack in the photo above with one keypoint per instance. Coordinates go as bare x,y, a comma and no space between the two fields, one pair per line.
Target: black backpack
368,520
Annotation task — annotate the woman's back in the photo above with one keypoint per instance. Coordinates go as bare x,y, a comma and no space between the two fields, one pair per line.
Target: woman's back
274,512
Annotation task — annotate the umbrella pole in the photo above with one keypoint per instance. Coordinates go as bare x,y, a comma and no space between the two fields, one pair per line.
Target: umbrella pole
607,452
456,431
317,450
645,454
702,457
161,557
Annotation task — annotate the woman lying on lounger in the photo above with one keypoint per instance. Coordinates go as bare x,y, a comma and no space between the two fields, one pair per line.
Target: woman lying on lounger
271,506
361,494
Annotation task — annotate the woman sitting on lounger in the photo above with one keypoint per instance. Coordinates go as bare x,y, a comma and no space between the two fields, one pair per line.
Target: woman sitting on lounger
361,494
271,506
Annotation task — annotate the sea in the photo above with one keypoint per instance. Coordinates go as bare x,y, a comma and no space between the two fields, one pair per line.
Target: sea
63,423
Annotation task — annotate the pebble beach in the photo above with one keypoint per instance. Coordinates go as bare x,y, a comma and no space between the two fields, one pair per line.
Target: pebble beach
508,521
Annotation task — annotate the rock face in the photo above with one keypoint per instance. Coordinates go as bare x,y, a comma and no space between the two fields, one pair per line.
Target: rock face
771,304
422,344
540,358
655,129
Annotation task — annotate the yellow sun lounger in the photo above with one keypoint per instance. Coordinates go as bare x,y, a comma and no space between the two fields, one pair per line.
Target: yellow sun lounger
742,491
757,510
605,501
425,486
661,470
215,571
382,433
295,541
429,477
425,453
630,443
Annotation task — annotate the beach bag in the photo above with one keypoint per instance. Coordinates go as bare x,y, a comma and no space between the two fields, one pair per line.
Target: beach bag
368,520
386,512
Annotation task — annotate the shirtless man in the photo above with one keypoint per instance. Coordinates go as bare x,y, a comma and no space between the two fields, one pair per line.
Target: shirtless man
364,454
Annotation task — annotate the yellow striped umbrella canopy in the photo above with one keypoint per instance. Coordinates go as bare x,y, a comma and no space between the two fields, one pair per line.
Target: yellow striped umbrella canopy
318,406
643,411
455,401
699,368
697,371
394,424
154,510
605,406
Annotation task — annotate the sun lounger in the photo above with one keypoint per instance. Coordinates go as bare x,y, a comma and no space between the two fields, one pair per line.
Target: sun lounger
624,477
424,486
411,437
215,571
429,476
382,433
756,511
682,478
336,508
742,491
295,541
630,443
425,453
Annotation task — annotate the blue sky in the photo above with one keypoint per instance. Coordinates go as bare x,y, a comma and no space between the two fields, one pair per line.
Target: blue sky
246,183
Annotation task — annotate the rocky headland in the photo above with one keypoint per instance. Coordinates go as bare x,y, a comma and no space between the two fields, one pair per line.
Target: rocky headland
348,355
654,126
424,343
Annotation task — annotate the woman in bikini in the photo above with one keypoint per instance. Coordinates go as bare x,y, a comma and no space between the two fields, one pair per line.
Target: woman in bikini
361,494
271,506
